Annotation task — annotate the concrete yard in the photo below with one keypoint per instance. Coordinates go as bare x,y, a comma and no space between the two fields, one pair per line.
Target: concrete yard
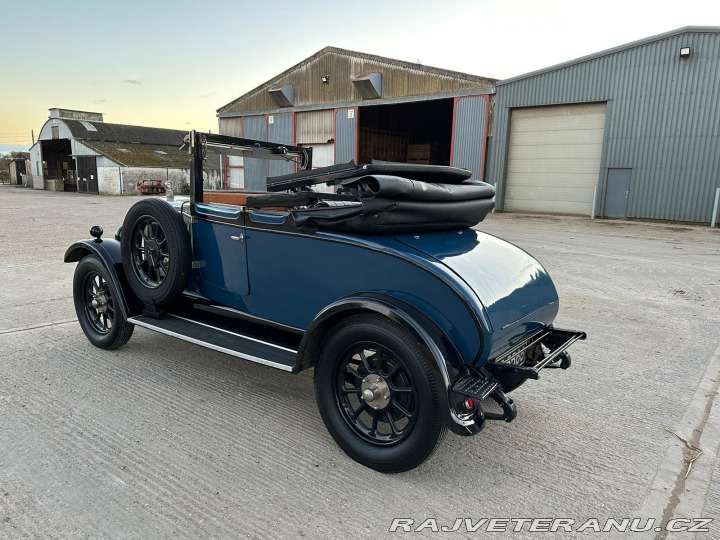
164,439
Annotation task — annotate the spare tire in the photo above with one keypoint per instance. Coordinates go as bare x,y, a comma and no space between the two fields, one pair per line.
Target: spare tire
156,254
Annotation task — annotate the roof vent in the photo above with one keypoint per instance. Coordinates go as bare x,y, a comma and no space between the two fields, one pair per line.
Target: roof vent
284,96
161,152
369,86
124,150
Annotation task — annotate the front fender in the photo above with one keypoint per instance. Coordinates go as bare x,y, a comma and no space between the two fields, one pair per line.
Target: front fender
109,253
445,360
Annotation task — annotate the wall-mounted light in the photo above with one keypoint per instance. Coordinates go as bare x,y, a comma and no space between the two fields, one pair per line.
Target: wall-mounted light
684,52
325,79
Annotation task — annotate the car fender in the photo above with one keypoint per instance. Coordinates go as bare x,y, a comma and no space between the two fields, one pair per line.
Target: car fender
445,361
108,251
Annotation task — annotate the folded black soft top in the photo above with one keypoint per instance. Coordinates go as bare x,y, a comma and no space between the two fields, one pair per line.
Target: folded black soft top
395,198
329,175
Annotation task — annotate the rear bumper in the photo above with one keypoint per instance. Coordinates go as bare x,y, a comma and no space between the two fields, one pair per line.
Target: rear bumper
544,349
547,348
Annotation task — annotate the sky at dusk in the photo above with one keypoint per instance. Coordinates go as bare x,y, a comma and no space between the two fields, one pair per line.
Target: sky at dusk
173,64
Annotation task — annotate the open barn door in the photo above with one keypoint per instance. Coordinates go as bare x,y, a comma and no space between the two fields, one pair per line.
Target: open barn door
469,135
346,135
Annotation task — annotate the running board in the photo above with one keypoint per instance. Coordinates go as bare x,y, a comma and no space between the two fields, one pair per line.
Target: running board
219,339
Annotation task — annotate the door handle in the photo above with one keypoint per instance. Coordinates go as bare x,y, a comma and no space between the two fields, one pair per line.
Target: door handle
238,238
626,194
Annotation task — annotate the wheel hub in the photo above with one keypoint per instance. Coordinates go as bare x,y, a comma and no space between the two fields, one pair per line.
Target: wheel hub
99,302
152,249
375,391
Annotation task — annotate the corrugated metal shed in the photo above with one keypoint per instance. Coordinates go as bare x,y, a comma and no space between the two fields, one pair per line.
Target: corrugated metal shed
399,79
314,127
663,118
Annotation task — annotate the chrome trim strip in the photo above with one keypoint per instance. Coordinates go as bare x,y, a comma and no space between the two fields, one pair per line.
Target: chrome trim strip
210,345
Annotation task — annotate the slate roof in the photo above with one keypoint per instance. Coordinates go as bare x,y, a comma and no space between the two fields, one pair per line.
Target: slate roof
142,155
102,131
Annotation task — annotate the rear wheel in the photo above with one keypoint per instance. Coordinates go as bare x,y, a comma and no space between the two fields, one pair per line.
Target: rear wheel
377,394
155,247
98,310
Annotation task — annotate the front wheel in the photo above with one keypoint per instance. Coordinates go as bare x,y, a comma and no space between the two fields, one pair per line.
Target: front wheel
96,306
377,394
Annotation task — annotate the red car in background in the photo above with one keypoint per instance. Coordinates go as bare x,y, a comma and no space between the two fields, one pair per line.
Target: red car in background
150,187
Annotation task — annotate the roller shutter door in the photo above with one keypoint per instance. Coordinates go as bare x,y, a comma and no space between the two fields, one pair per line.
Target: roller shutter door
554,158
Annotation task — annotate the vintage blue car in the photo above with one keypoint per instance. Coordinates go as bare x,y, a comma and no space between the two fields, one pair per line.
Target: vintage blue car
413,321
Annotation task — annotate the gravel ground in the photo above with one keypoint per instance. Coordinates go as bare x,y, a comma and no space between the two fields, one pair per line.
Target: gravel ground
164,439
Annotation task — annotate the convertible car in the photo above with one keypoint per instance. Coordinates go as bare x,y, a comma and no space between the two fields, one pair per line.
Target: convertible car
413,321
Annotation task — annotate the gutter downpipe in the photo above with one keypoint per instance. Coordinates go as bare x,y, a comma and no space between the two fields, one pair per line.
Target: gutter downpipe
714,221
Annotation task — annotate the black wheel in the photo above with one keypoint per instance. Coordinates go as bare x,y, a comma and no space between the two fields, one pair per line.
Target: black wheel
155,247
97,309
377,394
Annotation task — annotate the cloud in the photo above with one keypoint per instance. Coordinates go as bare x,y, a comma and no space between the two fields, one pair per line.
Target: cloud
187,123
100,101
132,81
208,95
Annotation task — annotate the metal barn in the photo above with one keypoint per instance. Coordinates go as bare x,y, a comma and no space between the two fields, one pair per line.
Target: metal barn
78,151
633,129
352,106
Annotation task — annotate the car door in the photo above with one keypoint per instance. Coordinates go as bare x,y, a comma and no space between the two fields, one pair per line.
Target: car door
219,249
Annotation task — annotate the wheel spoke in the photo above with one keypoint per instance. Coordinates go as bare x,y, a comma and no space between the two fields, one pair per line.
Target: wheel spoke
393,371
375,415
356,412
354,372
354,390
365,362
400,389
393,426
401,408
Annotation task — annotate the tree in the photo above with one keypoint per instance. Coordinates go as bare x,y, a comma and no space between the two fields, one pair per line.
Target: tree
5,169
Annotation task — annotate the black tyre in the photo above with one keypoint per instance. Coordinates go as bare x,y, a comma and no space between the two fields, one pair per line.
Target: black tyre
98,312
155,247
377,394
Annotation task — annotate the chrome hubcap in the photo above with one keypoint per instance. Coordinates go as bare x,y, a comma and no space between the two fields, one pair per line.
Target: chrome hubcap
375,392
99,302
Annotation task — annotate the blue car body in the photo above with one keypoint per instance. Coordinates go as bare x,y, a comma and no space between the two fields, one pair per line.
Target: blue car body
482,292
263,288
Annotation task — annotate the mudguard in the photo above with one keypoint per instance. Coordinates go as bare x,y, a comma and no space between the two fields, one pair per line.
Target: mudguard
108,251
445,360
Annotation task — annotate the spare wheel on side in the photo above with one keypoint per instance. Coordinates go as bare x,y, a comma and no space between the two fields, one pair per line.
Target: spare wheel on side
155,246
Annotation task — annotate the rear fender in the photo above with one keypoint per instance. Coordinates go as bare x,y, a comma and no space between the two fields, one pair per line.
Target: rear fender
108,251
445,361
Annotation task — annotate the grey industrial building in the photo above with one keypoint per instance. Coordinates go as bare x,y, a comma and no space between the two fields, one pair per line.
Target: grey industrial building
78,151
634,128
349,105
627,132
